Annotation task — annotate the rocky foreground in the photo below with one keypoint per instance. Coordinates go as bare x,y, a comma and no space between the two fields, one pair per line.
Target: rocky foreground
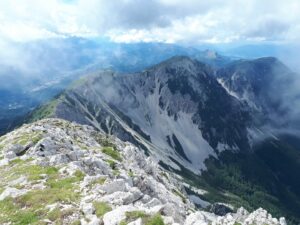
57,172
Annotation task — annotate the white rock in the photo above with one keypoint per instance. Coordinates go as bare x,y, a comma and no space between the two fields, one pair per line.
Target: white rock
4,162
10,155
174,211
115,216
153,202
136,222
87,208
242,211
12,192
22,180
282,221
101,165
156,209
135,194
114,186
196,218
94,221
168,220
121,198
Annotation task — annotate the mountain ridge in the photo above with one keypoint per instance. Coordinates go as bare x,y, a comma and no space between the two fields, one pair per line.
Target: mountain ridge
181,114
171,79
71,174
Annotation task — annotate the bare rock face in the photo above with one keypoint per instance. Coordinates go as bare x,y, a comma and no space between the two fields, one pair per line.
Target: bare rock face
176,109
71,174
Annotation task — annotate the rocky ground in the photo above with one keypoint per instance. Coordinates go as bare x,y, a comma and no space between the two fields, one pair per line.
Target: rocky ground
57,172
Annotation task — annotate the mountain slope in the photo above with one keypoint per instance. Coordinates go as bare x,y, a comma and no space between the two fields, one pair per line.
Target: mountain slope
54,171
63,60
267,85
177,110
183,115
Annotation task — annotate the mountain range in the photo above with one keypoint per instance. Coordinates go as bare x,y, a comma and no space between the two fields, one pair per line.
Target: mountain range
216,128
42,69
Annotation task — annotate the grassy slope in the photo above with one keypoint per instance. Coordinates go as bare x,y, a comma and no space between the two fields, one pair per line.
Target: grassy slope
44,111
30,208
48,109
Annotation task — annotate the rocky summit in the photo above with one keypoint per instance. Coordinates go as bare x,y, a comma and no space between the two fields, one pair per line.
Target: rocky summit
58,172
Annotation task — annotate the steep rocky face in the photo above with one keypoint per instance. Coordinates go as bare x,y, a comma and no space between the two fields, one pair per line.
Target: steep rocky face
57,172
177,110
265,84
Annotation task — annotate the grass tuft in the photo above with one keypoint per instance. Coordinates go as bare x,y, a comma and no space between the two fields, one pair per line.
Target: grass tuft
112,152
30,207
155,220
101,208
98,181
146,219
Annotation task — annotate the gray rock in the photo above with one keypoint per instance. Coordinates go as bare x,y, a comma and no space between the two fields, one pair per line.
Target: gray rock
12,192
72,155
58,159
9,155
114,186
135,194
139,186
153,202
16,148
45,147
87,208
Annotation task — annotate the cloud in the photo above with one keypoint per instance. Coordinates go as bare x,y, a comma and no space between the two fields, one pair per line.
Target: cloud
189,21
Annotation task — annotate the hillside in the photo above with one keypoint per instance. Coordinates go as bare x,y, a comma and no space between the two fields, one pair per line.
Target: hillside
57,172
185,117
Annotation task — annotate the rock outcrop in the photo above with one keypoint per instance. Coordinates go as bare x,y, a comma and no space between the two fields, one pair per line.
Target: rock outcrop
57,172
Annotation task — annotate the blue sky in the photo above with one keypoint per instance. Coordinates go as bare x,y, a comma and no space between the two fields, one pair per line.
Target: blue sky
171,21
